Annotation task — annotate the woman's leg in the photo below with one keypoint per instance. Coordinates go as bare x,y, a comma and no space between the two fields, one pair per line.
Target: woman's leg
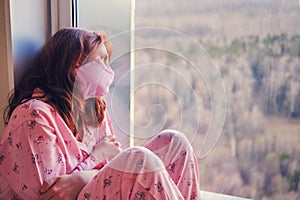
177,154
136,173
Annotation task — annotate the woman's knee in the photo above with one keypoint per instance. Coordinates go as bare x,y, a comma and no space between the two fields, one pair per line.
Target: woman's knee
175,135
167,137
136,160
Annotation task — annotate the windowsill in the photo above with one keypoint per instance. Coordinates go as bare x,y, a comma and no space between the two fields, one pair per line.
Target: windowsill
217,196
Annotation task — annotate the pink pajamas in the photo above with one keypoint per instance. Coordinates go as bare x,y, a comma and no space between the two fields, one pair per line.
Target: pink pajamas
37,146
136,173
178,157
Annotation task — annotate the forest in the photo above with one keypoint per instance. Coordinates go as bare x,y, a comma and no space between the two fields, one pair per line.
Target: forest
258,153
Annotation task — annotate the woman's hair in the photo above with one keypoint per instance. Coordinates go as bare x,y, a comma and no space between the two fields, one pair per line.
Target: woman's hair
53,71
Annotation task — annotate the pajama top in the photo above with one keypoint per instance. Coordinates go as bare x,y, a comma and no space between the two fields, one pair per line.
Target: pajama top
37,145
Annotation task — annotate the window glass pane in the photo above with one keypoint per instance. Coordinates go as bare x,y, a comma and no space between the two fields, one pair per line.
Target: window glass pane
255,47
113,17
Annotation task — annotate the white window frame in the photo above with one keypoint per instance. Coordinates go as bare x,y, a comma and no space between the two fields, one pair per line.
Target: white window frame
132,27
61,14
6,64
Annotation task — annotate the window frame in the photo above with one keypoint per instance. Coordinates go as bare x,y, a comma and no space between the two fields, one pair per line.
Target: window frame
6,64
62,14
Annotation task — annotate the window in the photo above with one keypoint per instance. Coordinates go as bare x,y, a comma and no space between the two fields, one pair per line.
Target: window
206,68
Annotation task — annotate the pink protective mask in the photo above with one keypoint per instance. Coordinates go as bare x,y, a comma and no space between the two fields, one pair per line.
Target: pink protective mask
94,78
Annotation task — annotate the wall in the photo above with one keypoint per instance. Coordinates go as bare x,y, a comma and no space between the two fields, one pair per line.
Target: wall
24,26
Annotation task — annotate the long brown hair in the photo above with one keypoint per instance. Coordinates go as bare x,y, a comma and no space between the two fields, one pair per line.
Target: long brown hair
53,71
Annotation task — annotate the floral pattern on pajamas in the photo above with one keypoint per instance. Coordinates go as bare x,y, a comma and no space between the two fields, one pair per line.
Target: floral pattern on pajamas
136,174
170,174
176,152
37,145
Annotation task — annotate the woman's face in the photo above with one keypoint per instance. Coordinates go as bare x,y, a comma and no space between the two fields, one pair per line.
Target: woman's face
101,52
95,76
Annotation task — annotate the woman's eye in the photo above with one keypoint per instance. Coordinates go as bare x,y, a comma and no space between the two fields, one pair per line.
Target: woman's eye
104,59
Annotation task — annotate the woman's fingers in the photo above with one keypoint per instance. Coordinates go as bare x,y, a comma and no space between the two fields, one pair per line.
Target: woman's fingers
47,185
117,144
65,187
112,139
108,148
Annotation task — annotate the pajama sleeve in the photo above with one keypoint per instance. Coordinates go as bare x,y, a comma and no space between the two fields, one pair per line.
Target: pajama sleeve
32,157
37,147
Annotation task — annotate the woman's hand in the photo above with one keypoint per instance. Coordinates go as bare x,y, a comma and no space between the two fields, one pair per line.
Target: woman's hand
108,148
66,187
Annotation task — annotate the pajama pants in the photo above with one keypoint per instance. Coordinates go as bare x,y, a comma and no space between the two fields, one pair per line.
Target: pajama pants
165,168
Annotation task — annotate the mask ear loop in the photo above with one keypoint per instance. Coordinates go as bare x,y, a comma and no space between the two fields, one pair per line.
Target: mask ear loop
79,61
86,60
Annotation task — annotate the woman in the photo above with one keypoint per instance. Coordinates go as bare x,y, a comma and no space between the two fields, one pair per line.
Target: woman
59,142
